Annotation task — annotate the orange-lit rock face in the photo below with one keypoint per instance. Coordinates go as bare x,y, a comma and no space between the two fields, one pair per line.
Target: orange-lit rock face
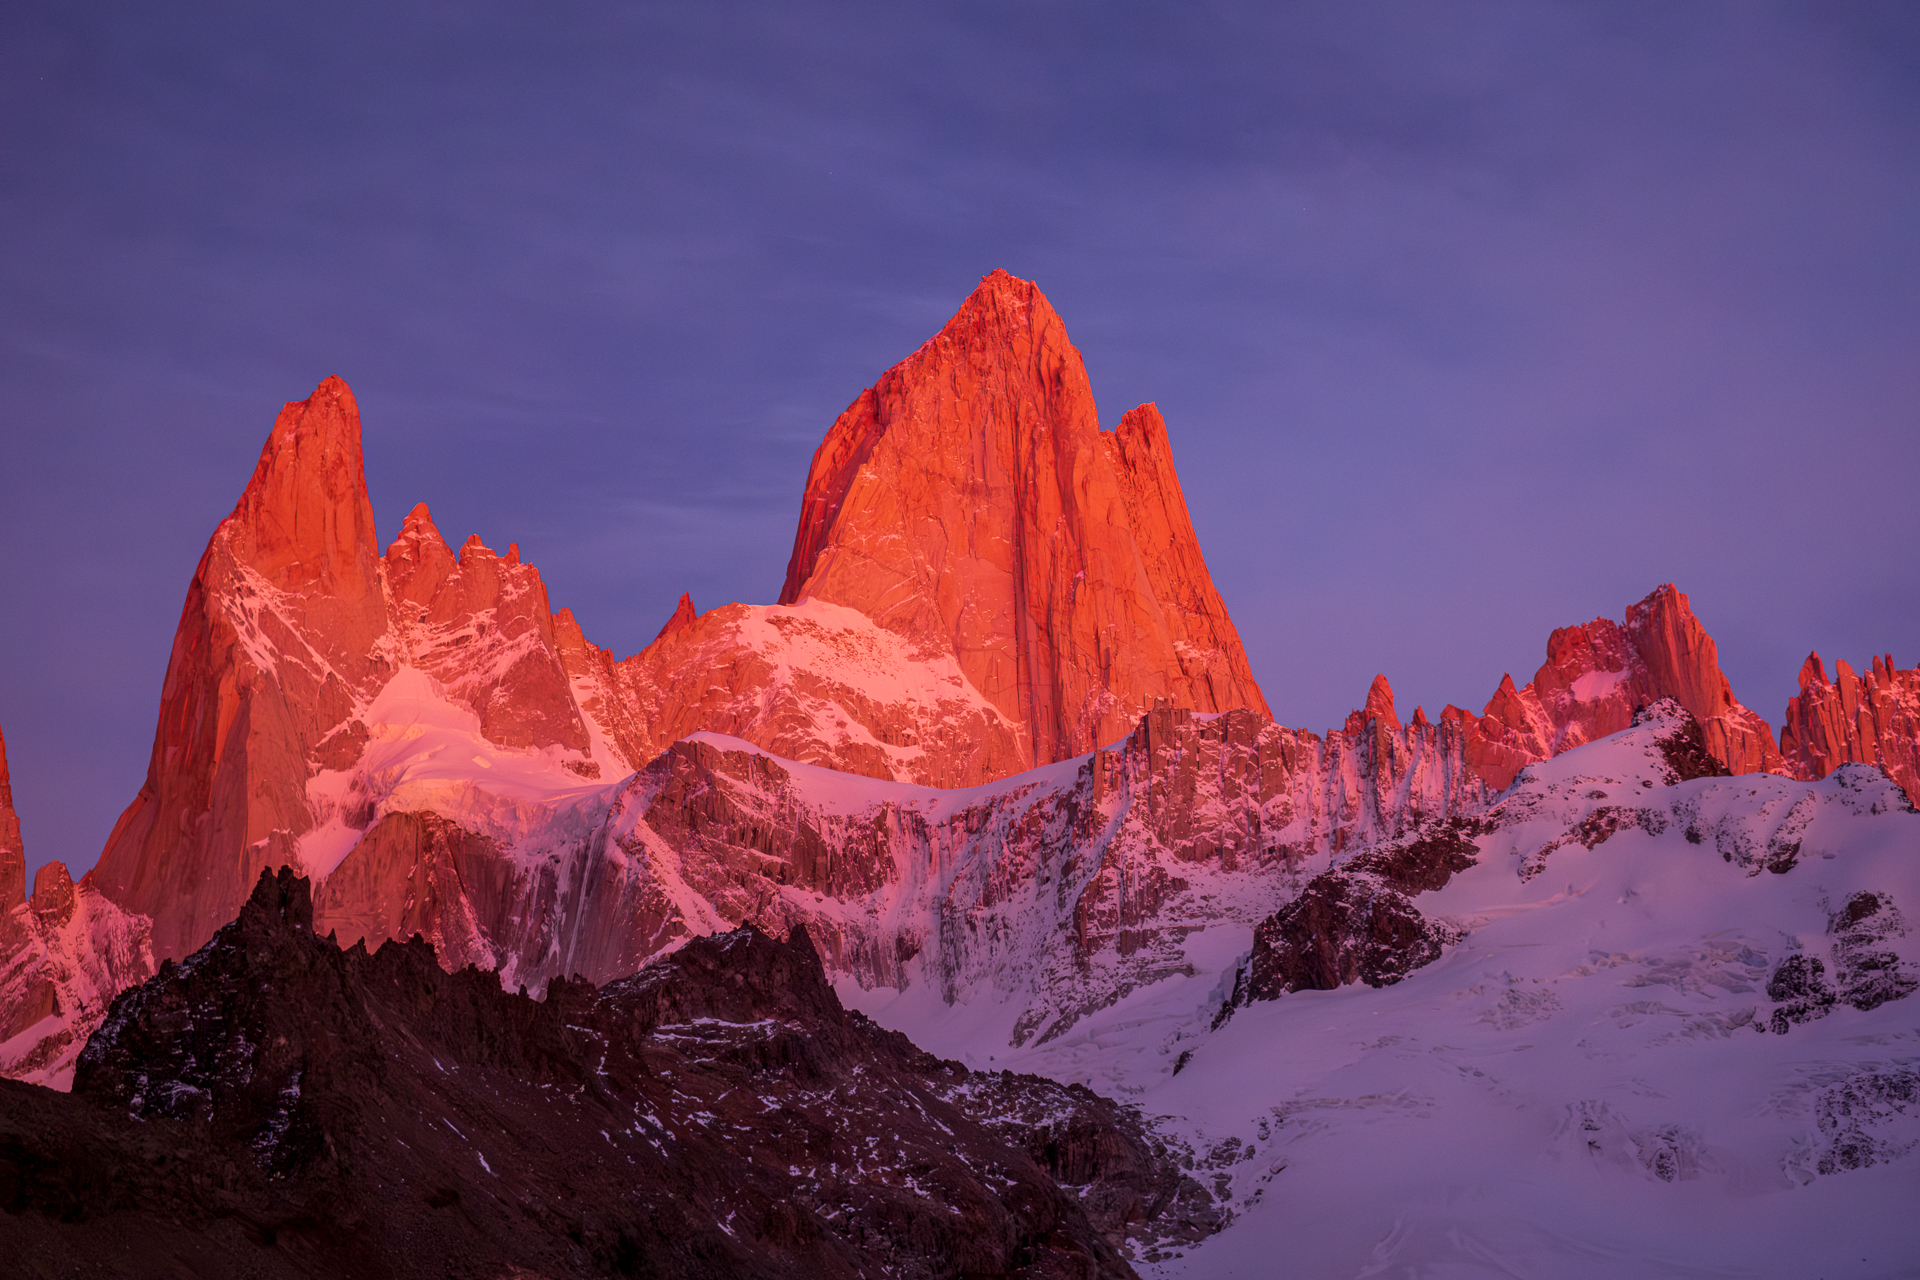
13,855
293,623
281,633
989,581
1596,676
683,616
1870,719
970,502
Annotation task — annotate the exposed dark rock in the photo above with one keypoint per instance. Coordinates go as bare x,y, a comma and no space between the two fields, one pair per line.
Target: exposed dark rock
1128,1179
1601,824
1437,853
1854,1114
1865,976
1685,748
1869,976
275,1106
1341,929
1799,991
1356,922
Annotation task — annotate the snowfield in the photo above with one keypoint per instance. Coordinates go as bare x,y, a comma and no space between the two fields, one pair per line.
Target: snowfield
1676,1039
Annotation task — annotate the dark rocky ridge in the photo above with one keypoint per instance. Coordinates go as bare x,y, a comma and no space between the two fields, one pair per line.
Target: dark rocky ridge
276,1106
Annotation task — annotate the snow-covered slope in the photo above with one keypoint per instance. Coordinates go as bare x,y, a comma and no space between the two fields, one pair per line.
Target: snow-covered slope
67,953
1675,1037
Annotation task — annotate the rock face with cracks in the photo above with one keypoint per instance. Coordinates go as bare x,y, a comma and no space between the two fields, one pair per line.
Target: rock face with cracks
1598,675
970,502
278,1106
1867,718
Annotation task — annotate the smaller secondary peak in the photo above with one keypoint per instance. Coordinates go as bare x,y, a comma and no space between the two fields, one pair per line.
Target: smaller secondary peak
418,527
1143,424
13,856
285,897
683,617
53,893
1380,702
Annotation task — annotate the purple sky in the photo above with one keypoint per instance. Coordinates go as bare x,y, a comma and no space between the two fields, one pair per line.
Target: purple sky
1468,321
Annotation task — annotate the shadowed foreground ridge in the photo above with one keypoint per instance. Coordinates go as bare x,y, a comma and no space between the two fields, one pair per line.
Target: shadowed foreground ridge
275,1105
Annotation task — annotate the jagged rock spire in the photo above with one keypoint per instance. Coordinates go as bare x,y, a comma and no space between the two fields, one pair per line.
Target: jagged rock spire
1598,674
683,617
293,573
1870,717
13,854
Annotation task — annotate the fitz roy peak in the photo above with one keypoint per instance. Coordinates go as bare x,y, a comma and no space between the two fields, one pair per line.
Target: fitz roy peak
970,502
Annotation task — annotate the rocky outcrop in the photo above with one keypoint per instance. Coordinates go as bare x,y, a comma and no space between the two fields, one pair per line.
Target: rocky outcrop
64,954
683,616
278,1107
1865,719
970,502
1866,975
1357,922
1597,675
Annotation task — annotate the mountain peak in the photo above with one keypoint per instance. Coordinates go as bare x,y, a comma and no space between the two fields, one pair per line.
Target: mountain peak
969,501
1682,662
1002,301
13,857
1380,702
1004,343
227,761
683,615
304,520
